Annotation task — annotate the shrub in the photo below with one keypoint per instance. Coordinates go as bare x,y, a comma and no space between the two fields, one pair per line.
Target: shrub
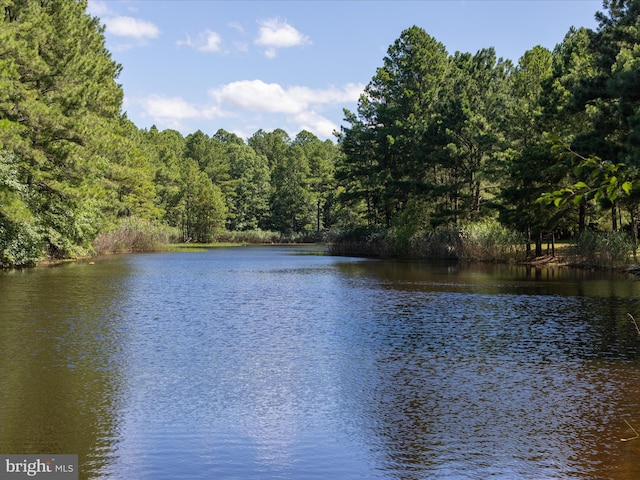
490,241
133,234
20,244
485,241
443,243
258,236
604,249
364,241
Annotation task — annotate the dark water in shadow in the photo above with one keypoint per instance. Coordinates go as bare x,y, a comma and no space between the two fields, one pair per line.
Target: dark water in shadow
268,363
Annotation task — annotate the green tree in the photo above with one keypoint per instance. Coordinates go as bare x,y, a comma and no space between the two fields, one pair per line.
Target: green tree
204,209
532,164
605,102
273,145
20,243
357,170
209,153
249,203
130,175
165,150
58,99
291,201
387,152
476,111
321,157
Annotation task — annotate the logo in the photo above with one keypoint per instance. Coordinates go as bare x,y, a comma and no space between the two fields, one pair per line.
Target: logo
46,467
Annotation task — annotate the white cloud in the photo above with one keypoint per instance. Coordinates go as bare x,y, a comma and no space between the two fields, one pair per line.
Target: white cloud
131,27
98,8
275,33
271,53
256,95
250,102
177,108
237,26
241,46
315,123
207,41
137,31
173,111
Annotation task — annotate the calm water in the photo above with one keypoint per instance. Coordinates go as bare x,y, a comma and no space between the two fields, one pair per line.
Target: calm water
273,363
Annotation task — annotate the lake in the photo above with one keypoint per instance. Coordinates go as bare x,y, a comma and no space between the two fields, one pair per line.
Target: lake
285,363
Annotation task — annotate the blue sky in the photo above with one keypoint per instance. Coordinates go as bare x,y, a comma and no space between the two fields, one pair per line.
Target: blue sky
249,65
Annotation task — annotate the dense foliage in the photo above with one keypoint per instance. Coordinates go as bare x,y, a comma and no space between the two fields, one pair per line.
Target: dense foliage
442,141
439,142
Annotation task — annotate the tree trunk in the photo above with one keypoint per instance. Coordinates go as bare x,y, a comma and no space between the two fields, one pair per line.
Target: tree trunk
582,217
539,244
551,244
634,231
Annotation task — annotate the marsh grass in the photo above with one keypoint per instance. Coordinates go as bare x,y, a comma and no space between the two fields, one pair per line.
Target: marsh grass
492,242
484,241
135,235
267,237
603,250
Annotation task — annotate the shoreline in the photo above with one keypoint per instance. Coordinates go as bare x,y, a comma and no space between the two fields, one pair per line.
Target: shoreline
548,260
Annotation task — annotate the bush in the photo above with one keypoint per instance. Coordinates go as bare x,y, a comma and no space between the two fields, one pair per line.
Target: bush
364,241
258,236
490,242
443,243
604,249
485,241
135,235
20,244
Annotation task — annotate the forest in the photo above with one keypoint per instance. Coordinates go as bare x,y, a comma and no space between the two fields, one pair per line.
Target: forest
441,145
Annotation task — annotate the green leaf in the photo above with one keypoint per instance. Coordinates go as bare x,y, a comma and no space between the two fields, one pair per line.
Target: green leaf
558,201
626,187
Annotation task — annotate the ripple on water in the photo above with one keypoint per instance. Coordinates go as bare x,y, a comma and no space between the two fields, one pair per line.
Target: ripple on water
253,363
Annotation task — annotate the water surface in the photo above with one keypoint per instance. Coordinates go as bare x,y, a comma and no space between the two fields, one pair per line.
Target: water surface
274,363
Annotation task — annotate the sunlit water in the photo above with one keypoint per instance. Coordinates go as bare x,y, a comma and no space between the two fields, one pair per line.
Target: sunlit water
274,363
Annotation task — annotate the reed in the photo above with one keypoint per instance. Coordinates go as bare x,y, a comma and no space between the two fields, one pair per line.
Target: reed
133,234
606,250
485,242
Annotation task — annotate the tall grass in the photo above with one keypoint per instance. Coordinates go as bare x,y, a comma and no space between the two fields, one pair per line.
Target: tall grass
441,243
608,250
364,241
485,241
258,236
491,242
133,234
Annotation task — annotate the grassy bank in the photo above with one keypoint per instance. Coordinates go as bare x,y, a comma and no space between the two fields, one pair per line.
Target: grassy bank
487,242
132,235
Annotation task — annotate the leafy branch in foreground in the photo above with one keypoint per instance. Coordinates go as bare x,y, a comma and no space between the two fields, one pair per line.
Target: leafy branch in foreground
607,180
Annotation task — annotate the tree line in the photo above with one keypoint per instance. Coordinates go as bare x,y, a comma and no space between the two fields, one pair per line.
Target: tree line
72,165
438,140
548,145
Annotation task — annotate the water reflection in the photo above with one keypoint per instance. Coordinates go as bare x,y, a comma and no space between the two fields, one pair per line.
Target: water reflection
495,381
256,363
59,375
